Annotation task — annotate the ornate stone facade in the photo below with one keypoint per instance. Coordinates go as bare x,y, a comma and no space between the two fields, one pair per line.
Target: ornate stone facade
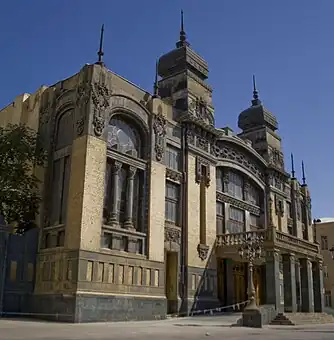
136,213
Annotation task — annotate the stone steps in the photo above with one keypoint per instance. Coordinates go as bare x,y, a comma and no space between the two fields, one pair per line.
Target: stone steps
291,319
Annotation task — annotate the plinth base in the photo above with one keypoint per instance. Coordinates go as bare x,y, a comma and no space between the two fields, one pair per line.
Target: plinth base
252,318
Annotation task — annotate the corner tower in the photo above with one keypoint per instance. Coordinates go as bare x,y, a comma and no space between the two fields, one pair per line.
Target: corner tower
183,75
259,126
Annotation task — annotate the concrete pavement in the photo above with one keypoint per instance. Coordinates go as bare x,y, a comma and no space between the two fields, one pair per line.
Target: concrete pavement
183,328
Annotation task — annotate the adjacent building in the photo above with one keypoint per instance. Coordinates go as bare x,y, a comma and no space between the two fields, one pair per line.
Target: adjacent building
147,201
324,229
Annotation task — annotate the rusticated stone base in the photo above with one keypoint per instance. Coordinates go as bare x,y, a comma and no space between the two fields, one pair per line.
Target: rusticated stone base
98,308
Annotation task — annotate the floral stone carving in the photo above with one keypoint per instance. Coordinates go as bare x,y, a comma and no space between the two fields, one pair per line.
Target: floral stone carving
159,128
100,98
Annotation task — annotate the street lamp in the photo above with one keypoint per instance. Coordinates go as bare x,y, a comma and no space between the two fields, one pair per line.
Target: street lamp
250,250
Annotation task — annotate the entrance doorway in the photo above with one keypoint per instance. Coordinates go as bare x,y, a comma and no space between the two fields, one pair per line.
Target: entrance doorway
240,282
171,282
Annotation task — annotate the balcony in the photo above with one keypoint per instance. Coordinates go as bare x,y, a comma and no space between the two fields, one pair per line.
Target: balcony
272,239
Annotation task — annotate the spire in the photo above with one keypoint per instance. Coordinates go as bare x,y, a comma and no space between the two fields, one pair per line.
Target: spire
156,84
303,174
183,38
292,167
255,100
100,52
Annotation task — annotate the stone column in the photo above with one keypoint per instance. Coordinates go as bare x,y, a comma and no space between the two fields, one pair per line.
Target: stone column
307,286
289,274
130,196
318,280
298,285
116,167
273,280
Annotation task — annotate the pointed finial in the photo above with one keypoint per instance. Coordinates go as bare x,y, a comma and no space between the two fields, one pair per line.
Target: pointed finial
100,53
255,100
183,37
303,174
292,167
156,84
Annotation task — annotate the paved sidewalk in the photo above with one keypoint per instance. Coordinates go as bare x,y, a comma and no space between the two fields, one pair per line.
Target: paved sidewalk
183,328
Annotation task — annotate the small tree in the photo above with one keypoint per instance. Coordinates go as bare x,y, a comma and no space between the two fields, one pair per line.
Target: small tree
19,193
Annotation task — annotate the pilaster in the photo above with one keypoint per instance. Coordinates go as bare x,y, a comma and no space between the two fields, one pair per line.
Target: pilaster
307,286
298,286
318,284
290,293
273,293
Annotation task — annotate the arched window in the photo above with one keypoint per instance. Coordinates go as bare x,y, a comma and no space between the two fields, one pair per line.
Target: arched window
64,132
61,168
125,186
122,137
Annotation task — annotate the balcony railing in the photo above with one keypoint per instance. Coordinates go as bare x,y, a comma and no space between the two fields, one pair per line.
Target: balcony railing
272,235
239,238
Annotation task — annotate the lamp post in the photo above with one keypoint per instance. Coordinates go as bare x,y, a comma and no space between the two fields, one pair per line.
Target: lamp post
250,250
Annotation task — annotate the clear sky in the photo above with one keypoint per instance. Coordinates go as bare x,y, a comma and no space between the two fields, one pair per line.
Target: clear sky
288,45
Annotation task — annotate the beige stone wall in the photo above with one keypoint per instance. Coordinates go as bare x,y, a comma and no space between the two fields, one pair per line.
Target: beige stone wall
86,194
194,215
156,233
327,229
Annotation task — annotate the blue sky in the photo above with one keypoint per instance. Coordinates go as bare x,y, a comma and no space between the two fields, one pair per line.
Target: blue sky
288,45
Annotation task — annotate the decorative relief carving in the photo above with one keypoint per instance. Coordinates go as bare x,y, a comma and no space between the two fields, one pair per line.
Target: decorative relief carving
309,209
172,234
199,108
44,115
100,98
279,206
82,99
159,128
230,153
203,251
200,163
270,208
276,158
174,175
222,197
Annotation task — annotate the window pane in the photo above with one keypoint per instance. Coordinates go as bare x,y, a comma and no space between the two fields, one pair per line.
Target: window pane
173,156
235,185
220,208
66,182
121,195
172,204
219,179
65,130
253,195
55,193
236,223
123,137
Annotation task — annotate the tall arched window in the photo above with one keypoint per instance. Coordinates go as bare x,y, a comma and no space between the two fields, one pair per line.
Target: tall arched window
125,188
61,168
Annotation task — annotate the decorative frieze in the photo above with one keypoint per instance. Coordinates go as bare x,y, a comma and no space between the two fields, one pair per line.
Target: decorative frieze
230,153
172,234
276,158
222,197
174,175
159,128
